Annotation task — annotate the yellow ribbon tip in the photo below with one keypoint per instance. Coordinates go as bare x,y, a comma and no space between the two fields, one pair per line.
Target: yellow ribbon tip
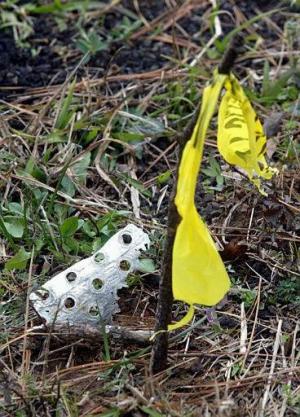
184,321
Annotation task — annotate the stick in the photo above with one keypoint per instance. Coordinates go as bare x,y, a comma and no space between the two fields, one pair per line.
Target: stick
92,334
231,54
268,386
218,33
158,361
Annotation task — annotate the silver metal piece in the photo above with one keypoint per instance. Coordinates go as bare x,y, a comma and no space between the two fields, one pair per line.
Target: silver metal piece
87,291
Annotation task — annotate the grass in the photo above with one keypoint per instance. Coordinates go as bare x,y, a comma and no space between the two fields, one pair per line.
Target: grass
82,158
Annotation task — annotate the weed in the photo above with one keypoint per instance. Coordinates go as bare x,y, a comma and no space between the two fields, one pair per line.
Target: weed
292,399
15,17
91,43
133,279
248,297
124,29
236,369
59,7
151,412
213,171
288,291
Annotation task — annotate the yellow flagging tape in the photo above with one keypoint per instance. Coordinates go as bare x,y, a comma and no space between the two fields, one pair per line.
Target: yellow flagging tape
241,140
198,273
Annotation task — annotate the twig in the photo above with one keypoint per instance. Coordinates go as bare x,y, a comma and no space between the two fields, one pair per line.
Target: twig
255,321
293,360
244,332
134,192
218,33
165,298
268,387
26,351
90,333
231,55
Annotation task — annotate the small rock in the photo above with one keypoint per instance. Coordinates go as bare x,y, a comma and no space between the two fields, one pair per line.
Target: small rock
272,124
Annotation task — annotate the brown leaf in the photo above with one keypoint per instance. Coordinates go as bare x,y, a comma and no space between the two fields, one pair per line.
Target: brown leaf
233,250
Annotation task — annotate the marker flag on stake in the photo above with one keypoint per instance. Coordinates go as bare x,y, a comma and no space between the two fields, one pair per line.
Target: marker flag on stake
198,273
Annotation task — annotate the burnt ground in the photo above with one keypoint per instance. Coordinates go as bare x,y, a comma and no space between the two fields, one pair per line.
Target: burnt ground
130,98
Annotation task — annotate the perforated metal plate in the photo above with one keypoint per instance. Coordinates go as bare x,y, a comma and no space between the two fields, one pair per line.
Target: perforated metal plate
87,291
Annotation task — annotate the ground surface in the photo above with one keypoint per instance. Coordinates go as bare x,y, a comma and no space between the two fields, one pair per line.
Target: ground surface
92,96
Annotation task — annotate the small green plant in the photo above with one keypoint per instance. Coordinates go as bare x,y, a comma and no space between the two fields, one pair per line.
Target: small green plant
115,412
178,99
124,29
59,7
91,43
288,291
151,412
214,172
15,17
248,297
282,90
236,369
293,399
133,279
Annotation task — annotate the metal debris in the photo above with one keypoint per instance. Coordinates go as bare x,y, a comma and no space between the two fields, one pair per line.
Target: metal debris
87,291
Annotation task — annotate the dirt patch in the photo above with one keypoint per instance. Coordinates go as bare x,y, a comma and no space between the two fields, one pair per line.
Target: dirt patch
52,53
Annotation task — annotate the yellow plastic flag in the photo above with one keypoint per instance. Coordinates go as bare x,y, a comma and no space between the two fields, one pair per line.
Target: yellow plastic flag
241,140
198,273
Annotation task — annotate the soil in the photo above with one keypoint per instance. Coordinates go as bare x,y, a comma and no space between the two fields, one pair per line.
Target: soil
52,52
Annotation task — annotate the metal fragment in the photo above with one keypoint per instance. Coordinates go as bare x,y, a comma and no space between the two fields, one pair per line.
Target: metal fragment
86,292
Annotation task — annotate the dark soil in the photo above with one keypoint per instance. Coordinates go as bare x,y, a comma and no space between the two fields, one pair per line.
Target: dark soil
52,53
23,67
19,68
